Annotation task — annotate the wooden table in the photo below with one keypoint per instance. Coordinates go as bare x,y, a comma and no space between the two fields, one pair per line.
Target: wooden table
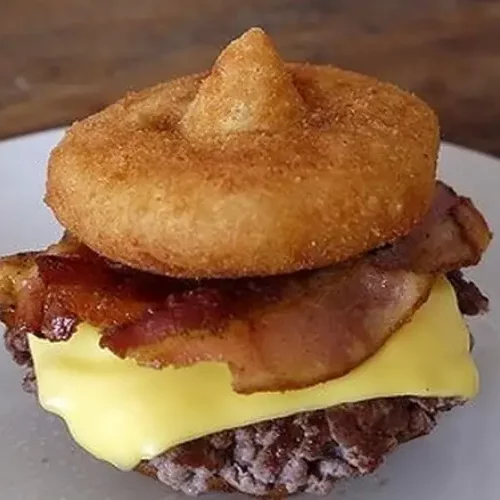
63,59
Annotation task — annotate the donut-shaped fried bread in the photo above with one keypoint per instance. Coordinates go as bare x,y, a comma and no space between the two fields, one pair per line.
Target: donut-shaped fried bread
255,168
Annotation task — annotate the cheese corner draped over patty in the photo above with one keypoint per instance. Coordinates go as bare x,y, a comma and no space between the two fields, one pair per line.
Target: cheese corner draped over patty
123,413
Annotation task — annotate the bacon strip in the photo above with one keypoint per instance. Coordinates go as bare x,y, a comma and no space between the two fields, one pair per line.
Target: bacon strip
302,330
14,271
452,235
275,333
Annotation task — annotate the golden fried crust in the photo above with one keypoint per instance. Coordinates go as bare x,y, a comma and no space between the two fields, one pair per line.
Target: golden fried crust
256,168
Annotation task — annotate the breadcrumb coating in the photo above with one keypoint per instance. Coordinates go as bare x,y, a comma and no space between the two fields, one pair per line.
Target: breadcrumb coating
255,168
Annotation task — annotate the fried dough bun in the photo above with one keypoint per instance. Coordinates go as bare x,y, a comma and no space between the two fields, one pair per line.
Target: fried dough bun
255,168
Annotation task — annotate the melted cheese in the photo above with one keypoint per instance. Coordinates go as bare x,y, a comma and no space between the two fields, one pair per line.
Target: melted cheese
122,413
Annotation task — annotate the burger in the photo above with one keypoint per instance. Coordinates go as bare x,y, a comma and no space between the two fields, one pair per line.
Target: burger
260,284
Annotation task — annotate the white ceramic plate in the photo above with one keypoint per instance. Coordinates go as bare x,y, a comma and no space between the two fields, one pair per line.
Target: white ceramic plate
38,460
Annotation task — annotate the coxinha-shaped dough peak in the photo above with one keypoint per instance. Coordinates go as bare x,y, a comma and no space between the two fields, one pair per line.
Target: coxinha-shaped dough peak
248,90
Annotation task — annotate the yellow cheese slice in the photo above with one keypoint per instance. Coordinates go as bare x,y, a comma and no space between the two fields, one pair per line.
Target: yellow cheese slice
122,413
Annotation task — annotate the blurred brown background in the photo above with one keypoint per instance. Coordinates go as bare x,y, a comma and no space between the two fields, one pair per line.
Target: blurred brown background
63,59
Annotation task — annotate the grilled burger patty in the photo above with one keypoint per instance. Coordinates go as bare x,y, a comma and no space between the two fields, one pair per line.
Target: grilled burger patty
306,452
